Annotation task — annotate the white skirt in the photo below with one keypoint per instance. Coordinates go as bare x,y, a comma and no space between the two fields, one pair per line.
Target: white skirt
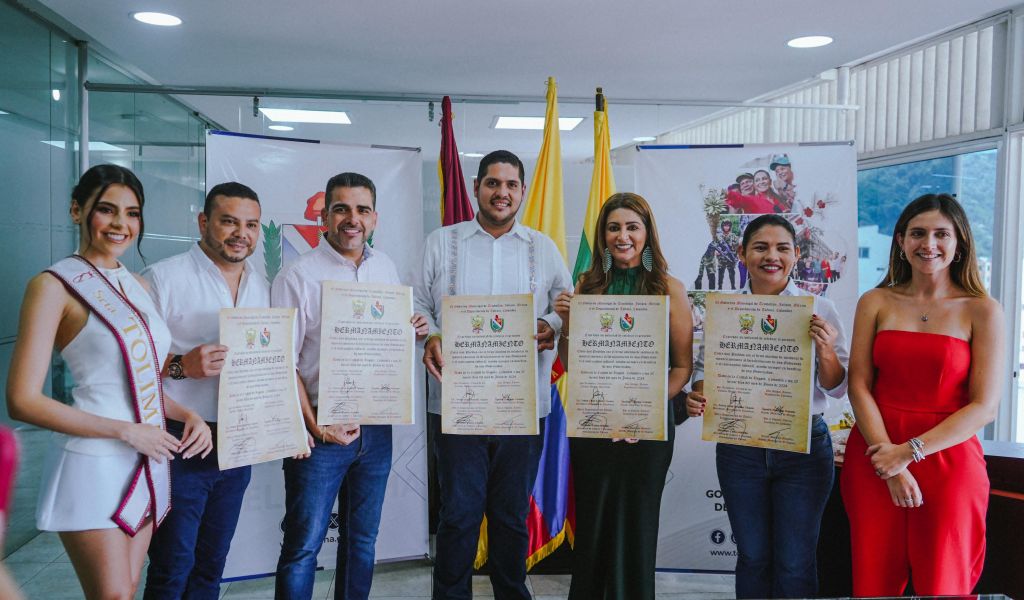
83,490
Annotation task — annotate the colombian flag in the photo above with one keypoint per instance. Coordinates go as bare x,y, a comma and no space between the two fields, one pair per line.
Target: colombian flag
551,519
602,185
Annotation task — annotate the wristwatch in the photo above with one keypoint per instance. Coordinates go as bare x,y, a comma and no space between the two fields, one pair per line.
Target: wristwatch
174,368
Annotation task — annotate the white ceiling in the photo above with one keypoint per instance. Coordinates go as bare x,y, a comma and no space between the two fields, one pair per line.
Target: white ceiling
647,49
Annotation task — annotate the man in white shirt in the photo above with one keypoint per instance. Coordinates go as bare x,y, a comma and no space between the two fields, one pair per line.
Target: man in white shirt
187,554
348,462
478,474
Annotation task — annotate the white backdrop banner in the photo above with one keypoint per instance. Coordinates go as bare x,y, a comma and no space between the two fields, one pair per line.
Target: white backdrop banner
702,198
290,177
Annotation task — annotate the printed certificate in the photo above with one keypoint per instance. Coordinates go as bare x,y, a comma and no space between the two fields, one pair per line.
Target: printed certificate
367,349
258,414
618,367
758,371
489,382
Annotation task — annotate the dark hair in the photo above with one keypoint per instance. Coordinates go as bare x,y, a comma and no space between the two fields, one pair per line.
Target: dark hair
595,280
743,176
501,156
349,180
964,272
231,189
95,182
764,221
779,201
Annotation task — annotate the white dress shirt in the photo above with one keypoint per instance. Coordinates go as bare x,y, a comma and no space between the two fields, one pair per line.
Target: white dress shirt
298,286
189,290
824,308
465,258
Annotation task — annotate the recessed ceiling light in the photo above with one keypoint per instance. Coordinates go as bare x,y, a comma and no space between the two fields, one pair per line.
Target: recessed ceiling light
645,138
281,128
55,94
155,18
93,146
292,115
564,123
810,41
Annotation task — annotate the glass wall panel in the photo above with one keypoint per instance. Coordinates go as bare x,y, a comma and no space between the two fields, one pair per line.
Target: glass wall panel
163,143
37,133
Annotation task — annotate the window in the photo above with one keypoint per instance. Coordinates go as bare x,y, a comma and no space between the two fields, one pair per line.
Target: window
882,193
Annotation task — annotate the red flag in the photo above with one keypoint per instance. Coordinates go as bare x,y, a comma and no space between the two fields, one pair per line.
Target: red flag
455,204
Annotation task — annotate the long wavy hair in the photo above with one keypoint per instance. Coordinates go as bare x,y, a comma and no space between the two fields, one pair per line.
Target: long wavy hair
595,280
963,272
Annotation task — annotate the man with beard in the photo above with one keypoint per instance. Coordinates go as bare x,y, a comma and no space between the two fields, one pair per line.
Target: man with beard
188,551
347,462
492,254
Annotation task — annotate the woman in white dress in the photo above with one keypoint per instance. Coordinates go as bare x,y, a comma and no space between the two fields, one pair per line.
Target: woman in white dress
98,444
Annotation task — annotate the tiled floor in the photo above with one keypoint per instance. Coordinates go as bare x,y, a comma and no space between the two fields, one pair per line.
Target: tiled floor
38,563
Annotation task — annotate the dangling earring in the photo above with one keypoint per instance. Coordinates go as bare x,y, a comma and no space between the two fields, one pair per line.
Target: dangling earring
647,258
902,255
957,257
606,260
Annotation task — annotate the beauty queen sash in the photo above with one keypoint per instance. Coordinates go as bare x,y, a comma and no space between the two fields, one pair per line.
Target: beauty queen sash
142,364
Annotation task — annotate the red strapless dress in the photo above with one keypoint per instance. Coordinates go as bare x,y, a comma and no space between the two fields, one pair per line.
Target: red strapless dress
920,379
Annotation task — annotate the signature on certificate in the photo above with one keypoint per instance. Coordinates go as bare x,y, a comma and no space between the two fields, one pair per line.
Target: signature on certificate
633,429
508,424
242,445
342,408
733,426
593,420
735,403
470,420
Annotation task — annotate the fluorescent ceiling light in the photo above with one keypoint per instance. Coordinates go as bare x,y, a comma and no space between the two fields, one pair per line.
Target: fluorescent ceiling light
56,95
4,112
564,123
472,154
291,115
645,138
281,128
810,41
93,146
155,18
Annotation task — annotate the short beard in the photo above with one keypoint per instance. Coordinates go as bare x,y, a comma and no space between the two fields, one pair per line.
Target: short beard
218,248
493,223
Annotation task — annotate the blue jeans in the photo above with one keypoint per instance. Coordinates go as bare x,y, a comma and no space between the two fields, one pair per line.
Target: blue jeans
188,551
357,475
477,475
775,500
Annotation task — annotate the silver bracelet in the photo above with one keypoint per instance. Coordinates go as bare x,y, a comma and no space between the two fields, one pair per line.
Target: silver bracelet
916,448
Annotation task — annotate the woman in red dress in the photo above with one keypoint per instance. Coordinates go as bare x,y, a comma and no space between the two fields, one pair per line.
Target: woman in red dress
926,366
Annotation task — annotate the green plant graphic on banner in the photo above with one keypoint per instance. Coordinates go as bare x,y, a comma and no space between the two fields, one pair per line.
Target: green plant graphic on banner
272,250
